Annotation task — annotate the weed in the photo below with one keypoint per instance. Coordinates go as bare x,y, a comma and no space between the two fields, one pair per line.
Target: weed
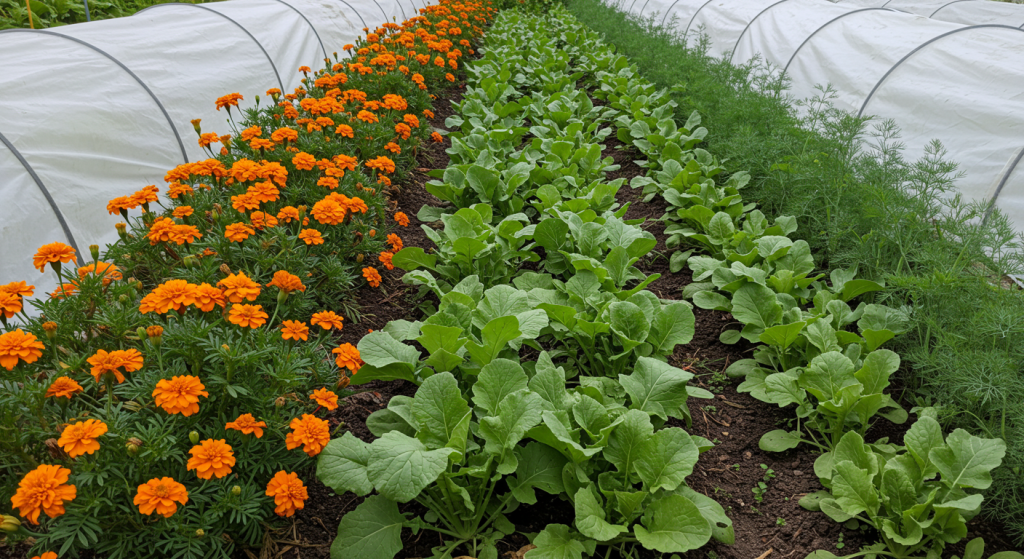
780,521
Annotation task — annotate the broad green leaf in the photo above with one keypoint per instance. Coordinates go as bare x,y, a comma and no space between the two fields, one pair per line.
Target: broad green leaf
342,465
497,380
851,448
517,413
372,531
812,501
402,330
556,541
858,287
617,262
496,334
499,301
756,304
720,229
413,258
591,518
666,458
823,336
878,366
827,374
721,525
442,414
853,489
379,349
629,323
656,387
712,300
673,325
549,382
898,490
673,524
966,460
922,437
591,415
540,467
779,440
627,441
783,335
400,467
383,421
435,337
394,371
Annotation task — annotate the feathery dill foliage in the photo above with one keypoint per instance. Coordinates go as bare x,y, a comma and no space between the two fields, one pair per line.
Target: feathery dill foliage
860,202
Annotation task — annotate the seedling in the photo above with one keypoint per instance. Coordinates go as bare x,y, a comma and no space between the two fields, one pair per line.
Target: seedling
762,486
711,409
735,467
839,542
780,521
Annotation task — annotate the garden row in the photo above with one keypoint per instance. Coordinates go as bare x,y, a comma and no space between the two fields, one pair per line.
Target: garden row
165,397
545,357
861,202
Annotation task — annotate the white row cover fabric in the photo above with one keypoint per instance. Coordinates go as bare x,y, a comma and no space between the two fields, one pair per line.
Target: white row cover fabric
960,84
97,110
967,12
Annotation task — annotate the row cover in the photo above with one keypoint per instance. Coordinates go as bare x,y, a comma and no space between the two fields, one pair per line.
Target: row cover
967,12
94,110
960,84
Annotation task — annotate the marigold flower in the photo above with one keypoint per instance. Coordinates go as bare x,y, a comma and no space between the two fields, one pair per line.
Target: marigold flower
436,137
428,113
372,276
288,492
180,394
154,331
109,271
208,138
207,297
121,205
329,182
19,345
111,362
328,211
304,161
181,212
80,438
403,131
347,357
44,489
46,555
288,213
261,220
327,320
382,164
294,330
174,295
385,257
18,288
345,130
310,432
238,232
211,458
65,290
248,425
411,120
367,117
146,195
245,170
284,135
10,304
160,230
393,147
449,75
247,316
54,254
355,204
160,495
264,192
238,287
311,237
63,386
402,219
395,241
181,234
228,101
325,398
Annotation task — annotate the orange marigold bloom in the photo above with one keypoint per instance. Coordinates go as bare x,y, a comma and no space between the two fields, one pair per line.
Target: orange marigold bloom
294,330
393,147
311,237
173,295
372,276
395,241
160,495
208,138
160,230
386,257
261,220
182,234
355,204
402,219
146,195
288,213
283,135
105,269
436,137
248,425
329,182
46,555
180,394
154,331
238,287
328,211
120,204
44,489
367,116
304,161
207,297
251,132
65,290
238,232
228,101
288,492
19,345
325,398
80,438
327,320
211,458
181,212
247,316
411,120
19,288
111,362
382,164
347,357
345,130
449,76
244,201
310,432
53,253
10,304
63,386
395,102
403,131
264,192
428,113
245,170
286,282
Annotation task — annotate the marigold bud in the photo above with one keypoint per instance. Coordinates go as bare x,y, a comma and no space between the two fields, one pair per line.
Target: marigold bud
94,251
225,347
360,257
200,533
189,261
51,329
123,299
225,270
282,296
9,524
194,437
131,447
280,401
141,331
121,230
236,490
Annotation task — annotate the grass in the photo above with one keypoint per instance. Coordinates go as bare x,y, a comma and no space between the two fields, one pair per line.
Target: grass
54,13
861,203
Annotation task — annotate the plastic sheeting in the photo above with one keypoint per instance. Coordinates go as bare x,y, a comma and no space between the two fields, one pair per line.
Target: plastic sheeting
967,12
98,110
960,84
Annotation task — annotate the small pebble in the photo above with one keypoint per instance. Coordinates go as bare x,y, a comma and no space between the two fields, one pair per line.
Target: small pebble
797,473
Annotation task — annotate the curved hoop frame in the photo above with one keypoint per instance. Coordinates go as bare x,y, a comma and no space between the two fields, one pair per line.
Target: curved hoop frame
1002,183
46,194
303,16
826,24
749,23
918,49
108,56
239,25
693,17
944,5
359,15
667,10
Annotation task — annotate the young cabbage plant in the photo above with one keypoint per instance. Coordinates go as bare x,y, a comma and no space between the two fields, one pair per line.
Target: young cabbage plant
463,464
604,244
471,328
837,393
919,497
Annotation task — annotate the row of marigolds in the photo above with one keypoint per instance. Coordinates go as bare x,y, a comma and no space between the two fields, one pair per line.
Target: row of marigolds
155,403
